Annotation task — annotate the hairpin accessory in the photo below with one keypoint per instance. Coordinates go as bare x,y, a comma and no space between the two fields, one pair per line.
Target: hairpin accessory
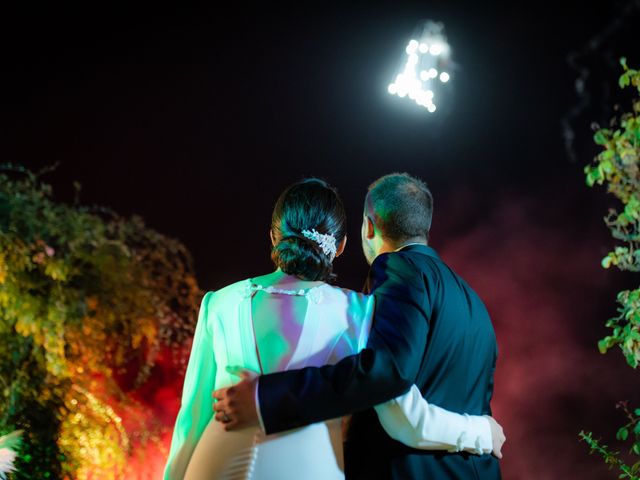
326,241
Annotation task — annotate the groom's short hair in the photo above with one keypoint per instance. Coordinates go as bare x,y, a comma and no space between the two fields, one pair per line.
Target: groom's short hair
402,206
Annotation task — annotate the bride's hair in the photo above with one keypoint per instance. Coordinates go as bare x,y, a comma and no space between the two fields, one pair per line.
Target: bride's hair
310,204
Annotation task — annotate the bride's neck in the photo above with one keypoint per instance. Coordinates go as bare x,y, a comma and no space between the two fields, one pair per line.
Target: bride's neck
283,279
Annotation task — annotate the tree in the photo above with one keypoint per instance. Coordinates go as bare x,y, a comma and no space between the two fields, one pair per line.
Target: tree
83,291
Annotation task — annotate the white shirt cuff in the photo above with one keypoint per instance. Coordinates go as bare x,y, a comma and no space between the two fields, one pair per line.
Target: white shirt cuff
483,442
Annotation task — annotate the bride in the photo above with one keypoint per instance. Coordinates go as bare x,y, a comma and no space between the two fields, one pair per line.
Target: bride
290,319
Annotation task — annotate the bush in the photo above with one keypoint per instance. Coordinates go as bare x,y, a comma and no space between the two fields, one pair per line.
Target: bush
83,291
618,167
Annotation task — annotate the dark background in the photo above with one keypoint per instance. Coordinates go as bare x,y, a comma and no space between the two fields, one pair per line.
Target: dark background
196,119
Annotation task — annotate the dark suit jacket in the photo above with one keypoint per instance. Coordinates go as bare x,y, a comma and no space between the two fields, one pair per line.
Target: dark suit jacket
430,328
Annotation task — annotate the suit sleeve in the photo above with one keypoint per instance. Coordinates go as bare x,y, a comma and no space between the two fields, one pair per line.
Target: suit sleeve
489,393
384,370
196,407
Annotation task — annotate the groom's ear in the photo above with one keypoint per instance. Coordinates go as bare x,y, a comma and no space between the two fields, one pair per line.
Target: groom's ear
370,228
273,239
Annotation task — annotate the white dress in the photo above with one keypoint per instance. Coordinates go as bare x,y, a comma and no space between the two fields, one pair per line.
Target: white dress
313,327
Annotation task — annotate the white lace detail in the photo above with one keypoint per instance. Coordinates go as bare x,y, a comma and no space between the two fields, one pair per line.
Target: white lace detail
313,294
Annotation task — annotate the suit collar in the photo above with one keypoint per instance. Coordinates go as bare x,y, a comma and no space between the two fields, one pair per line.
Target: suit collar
421,248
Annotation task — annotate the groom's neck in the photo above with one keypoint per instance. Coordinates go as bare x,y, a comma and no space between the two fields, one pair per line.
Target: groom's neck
393,246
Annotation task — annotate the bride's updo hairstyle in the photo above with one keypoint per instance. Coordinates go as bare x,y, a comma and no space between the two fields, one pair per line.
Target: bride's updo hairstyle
310,204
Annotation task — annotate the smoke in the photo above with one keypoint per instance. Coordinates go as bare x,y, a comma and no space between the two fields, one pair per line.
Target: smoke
534,260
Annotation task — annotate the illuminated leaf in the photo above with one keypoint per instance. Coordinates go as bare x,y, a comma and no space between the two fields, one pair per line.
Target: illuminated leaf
624,80
622,434
600,138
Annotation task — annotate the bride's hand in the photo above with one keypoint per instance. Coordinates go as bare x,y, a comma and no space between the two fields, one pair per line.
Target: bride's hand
497,436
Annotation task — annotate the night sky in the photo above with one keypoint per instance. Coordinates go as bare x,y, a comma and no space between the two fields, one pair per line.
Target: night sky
197,118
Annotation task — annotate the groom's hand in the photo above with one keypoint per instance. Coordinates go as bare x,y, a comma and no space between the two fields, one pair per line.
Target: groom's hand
236,405
497,436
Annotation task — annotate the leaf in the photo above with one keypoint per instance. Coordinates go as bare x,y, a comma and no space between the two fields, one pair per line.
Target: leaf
631,359
637,412
624,80
628,156
623,434
605,344
594,176
632,210
11,440
606,165
623,219
600,138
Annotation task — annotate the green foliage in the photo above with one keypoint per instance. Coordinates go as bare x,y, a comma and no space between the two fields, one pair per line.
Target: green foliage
628,432
617,167
625,327
611,458
83,292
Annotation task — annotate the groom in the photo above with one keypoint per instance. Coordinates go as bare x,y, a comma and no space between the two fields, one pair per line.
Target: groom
429,328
